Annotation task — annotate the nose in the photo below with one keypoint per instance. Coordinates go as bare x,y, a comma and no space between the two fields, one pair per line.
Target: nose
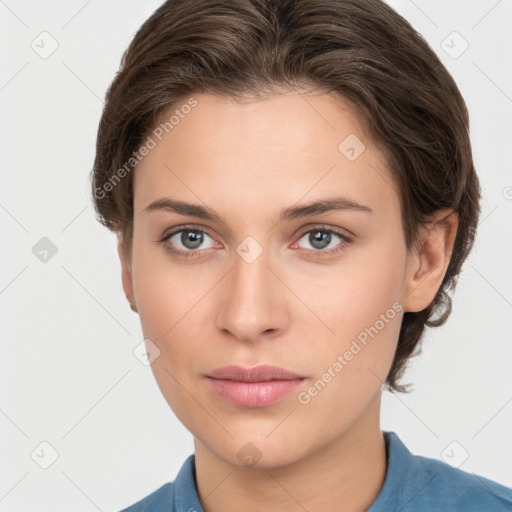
253,302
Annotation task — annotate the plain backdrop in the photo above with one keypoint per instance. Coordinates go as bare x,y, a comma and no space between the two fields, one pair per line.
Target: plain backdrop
68,377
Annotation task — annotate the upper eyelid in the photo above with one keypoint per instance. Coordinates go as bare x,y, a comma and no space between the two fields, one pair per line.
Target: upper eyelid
179,229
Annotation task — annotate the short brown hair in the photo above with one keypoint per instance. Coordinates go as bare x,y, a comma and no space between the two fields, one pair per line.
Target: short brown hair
361,50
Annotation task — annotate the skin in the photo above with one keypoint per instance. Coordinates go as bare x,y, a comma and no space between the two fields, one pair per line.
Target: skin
248,161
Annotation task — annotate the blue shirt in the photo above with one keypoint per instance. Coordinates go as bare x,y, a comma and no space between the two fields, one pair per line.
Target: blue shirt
412,484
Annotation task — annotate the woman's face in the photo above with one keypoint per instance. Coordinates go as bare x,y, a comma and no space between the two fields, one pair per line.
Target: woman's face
266,281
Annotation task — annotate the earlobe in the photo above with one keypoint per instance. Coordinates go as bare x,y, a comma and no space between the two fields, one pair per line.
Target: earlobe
428,263
126,275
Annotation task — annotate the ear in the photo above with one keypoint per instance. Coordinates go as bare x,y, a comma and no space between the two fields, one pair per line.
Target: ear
126,274
428,263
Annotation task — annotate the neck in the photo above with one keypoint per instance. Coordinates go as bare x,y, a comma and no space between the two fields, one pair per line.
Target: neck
345,474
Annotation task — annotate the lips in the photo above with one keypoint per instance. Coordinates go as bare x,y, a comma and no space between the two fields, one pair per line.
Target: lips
260,386
262,373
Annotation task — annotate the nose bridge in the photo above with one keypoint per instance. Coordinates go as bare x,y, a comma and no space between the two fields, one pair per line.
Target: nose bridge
253,304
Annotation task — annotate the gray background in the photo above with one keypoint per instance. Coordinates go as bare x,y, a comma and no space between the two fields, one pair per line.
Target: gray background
68,374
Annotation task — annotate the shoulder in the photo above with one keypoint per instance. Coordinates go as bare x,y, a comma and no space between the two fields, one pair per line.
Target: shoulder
424,484
181,494
157,501
445,485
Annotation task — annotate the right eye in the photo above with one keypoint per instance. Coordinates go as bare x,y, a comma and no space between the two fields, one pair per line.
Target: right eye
186,241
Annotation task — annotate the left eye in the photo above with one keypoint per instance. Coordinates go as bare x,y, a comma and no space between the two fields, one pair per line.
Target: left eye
322,239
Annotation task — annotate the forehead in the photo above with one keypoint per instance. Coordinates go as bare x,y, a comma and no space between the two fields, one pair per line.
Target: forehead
275,151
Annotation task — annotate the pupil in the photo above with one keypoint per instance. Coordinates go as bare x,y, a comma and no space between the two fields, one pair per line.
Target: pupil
319,236
191,239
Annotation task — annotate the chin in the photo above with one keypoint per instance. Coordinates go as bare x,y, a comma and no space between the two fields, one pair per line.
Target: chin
260,450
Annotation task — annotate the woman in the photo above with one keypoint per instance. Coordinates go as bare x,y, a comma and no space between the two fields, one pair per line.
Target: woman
294,194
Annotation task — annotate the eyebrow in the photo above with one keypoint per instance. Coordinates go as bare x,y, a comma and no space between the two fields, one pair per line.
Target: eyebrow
290,213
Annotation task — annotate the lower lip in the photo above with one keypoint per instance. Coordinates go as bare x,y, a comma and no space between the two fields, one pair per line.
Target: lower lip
254,394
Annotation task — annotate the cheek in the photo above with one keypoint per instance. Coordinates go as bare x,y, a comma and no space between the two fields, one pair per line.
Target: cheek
171,303
351,296
361,303
169,306
166,293
352,365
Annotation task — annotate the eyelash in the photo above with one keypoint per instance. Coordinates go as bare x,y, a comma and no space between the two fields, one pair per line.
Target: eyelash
312,253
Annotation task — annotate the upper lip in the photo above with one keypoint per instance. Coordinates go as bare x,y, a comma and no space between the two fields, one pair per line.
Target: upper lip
260,373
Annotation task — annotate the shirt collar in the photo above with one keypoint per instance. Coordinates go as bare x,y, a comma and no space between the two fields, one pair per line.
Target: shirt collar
399,459
186,498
